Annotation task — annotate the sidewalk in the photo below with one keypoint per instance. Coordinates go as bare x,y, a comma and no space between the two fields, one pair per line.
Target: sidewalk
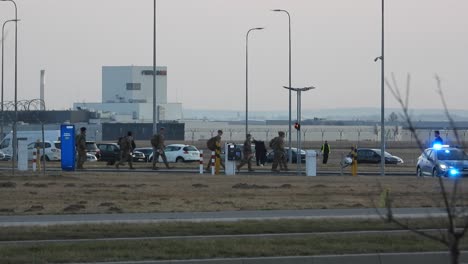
366,213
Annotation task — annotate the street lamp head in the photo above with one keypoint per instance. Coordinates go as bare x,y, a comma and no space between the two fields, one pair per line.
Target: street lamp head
302,89
252,29
278,10
308,88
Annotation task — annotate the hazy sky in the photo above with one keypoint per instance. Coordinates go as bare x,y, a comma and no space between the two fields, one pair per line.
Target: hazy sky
334,43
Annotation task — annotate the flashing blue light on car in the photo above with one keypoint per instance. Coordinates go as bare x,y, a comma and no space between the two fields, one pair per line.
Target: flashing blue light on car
437,146
454,172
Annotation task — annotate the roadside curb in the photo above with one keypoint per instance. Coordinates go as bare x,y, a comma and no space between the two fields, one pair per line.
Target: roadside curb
384,258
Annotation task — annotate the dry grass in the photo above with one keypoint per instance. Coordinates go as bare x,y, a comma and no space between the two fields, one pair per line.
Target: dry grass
149,250
124,191
86,192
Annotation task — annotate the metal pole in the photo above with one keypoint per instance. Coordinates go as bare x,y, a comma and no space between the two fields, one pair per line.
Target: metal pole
247,79
382,110
43,151
298,156
290,92
155,120
247,83
299,90
3,52
14,144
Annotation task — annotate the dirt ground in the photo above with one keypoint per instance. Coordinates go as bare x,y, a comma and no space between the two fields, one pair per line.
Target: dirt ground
87,192
126,191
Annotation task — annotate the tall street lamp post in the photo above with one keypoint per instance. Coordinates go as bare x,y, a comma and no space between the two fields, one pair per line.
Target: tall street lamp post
247,79
299,91
3,52
290,122
382,97
13,159
155,120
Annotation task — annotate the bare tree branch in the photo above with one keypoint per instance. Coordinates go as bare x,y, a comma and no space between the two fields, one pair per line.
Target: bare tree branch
453,235
447,113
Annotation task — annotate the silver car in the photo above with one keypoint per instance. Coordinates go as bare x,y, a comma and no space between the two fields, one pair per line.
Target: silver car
442,161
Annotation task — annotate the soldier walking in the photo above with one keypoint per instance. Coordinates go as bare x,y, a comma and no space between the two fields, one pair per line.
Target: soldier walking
214,144
353,155
247,154
277,144
80,142
157,141
127,144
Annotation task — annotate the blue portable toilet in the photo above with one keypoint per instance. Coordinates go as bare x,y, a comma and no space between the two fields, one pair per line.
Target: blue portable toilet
67,138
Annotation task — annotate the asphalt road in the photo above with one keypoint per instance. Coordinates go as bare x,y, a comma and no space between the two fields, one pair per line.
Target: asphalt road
30,220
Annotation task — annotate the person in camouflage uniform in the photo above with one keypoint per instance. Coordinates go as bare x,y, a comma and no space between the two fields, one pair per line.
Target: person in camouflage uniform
277,144
127,144
247,154
80,142
217,149
157,142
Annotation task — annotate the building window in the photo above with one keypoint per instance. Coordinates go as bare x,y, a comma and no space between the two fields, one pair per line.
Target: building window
137,100
133,86
150,72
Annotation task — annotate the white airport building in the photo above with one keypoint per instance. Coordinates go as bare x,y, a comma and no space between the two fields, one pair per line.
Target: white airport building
127,95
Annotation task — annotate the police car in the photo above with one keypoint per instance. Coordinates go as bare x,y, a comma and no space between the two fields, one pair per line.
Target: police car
442,160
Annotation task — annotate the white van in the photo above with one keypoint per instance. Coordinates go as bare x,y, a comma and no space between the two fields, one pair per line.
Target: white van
6,145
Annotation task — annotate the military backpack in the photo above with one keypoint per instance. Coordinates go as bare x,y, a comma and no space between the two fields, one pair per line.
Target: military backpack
123,143
211,144
155,141
274,143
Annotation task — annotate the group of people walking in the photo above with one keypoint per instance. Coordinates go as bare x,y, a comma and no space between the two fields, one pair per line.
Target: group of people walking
277,144
127,146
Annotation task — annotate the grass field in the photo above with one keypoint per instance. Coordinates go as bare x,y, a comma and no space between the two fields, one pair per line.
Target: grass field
175,242
125,191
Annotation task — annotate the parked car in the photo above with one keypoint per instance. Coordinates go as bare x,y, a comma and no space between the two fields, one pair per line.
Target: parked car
147,151
92,148
138,156
4,156
51,150
271,154
91,157
180,153
366,155
109,152
442,161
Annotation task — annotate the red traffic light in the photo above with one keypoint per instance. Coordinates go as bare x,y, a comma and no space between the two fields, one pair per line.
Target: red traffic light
297,126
